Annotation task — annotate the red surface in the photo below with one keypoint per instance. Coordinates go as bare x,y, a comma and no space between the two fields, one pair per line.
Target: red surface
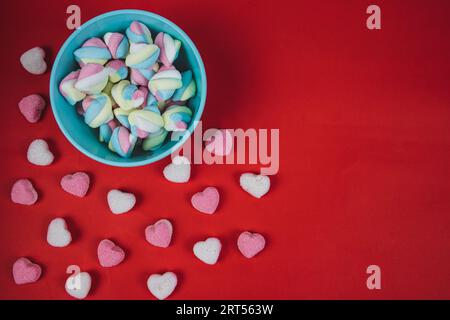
364,120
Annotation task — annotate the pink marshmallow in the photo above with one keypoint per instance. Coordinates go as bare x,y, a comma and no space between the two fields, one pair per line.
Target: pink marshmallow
76,184
25,271
206,201
109,254
31,107
250,244
160,233
23,192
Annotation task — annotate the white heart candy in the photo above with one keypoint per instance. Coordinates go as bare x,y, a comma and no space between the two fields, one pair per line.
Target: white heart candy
208,251
179,171
256,185
57,234
78,285
33,61
162,286
39,154
120,202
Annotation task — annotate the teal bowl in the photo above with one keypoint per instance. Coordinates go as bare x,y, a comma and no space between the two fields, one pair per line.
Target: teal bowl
84,138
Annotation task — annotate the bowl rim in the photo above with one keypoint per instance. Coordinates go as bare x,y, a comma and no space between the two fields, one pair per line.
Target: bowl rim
53,90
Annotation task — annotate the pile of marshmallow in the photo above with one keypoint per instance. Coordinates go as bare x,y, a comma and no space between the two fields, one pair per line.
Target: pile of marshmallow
129,88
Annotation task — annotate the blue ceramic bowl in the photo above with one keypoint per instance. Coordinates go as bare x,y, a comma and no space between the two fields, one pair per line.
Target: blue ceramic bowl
71,123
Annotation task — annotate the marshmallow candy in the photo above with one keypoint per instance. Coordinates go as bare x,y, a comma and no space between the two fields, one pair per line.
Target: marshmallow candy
138,32
179,171
249,244
169,48
177,118
256,185
208,251
142,56
122,116
39,154
92,79
143,122
160,233
106,130
206,201
94,50
117,44
97,110
23,192
76,184
142,76
33,61
67,88
122,142
109,254
58,234
154,140
117,70
128,96
120,202
162,286
25,271
164,83
187,89
78,285
31,107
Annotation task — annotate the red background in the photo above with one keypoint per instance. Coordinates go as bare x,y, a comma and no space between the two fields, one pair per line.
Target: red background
364,119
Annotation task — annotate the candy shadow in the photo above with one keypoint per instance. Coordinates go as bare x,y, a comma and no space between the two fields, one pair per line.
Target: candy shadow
75,231
96,281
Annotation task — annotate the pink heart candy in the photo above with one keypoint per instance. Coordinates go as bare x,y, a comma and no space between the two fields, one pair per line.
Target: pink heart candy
109,254
25,271
160,233
250,244
220,143
23,192
31,107
206,201
76,184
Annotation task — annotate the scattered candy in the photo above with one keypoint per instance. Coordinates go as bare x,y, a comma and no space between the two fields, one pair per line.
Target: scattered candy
220,143
250,244
128,96
97,110
76,184
25,271
187,89
208,251
179,171
31,107
142,76
39,153
94,50
78,285
155,140
142,56
143,122
177,118
33,61
256,185
169,48
206,201
160,233
68,90
162,286
138,32
58,234
120,202
122,142
23,192
164,83
92,78
117,44
117,70
109,254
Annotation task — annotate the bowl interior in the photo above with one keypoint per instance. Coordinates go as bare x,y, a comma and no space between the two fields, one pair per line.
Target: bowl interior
71,123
